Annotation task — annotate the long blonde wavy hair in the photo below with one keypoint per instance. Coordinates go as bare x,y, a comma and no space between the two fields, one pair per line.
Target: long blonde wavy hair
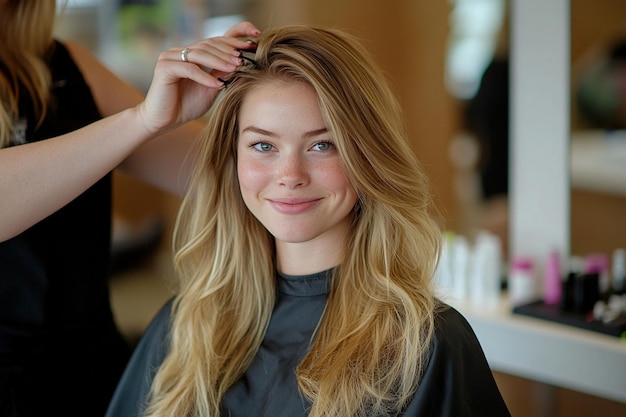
26,30
372,342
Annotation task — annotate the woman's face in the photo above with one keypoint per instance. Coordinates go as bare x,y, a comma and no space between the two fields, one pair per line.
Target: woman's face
290,173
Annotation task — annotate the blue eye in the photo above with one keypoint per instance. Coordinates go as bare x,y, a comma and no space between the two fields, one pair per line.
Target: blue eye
262,147
323,146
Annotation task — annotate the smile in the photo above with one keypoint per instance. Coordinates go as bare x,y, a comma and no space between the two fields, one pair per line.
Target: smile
293,205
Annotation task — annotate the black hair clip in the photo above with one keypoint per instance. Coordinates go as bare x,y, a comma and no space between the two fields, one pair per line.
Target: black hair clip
251,63
243,53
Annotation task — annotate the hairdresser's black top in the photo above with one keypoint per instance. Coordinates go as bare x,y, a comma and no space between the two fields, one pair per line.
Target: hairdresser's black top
457,381
57,334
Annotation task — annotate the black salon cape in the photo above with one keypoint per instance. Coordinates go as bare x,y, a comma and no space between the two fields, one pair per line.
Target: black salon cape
457,381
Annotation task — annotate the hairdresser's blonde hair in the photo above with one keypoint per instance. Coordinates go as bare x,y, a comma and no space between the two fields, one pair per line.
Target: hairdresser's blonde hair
26,29
373,340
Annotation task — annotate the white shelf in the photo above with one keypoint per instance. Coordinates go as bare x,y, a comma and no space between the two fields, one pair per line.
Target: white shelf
548,352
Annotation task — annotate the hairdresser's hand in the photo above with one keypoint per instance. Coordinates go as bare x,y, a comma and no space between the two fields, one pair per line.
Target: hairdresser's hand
184,90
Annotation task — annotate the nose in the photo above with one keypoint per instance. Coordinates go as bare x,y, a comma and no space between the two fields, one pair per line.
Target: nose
292,171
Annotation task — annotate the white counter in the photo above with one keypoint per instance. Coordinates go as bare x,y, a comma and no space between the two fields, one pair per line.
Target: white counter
552,353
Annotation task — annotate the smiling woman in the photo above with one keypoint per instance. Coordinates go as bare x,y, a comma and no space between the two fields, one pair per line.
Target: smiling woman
292,178
305,247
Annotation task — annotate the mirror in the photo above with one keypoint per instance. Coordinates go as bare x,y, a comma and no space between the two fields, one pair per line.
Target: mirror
598,177
598,170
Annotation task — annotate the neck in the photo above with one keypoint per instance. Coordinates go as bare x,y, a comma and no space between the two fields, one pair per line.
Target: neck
309,257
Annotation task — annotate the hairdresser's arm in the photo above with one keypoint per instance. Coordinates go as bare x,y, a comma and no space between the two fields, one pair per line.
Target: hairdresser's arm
165,160
157,161
37,179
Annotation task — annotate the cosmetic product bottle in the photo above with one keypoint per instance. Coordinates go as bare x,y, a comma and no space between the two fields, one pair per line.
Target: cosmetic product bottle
618,270
485,271
522,282
443,275
552,282
598,264
585,292
460,265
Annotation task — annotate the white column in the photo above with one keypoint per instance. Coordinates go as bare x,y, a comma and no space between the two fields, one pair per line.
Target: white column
540,130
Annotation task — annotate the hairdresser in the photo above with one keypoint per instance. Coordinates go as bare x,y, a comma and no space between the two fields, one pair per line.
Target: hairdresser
66,122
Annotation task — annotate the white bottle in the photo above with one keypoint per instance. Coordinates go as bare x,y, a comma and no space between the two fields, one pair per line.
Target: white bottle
443,275
485,272
460,265
522,283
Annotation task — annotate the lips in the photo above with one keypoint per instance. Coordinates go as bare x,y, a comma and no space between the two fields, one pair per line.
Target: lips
293,205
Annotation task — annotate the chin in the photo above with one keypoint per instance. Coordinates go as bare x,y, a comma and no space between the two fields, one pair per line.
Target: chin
292,239
292,236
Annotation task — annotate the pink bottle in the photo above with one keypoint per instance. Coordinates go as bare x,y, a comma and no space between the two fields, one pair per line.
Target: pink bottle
552,282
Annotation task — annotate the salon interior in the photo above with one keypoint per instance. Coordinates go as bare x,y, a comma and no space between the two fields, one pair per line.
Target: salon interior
517,111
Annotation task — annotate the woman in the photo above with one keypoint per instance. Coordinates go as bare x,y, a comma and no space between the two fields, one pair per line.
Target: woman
305,248
60,351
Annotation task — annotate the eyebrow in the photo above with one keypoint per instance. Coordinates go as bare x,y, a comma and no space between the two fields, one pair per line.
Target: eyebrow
254,129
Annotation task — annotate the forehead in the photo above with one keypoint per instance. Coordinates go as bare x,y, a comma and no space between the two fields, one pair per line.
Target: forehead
274,88
281,102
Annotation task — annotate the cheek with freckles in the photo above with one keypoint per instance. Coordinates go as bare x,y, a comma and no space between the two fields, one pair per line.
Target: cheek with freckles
252,179
333,177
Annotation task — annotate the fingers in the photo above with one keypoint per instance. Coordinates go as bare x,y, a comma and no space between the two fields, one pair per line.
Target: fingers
243,30
211,56
225,48
219,54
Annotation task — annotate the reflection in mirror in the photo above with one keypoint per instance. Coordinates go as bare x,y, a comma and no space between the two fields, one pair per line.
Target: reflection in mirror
598,166
477,74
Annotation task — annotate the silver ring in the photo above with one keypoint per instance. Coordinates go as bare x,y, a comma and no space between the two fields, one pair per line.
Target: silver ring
183,54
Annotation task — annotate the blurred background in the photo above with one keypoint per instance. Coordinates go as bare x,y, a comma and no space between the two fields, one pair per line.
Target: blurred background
448,62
